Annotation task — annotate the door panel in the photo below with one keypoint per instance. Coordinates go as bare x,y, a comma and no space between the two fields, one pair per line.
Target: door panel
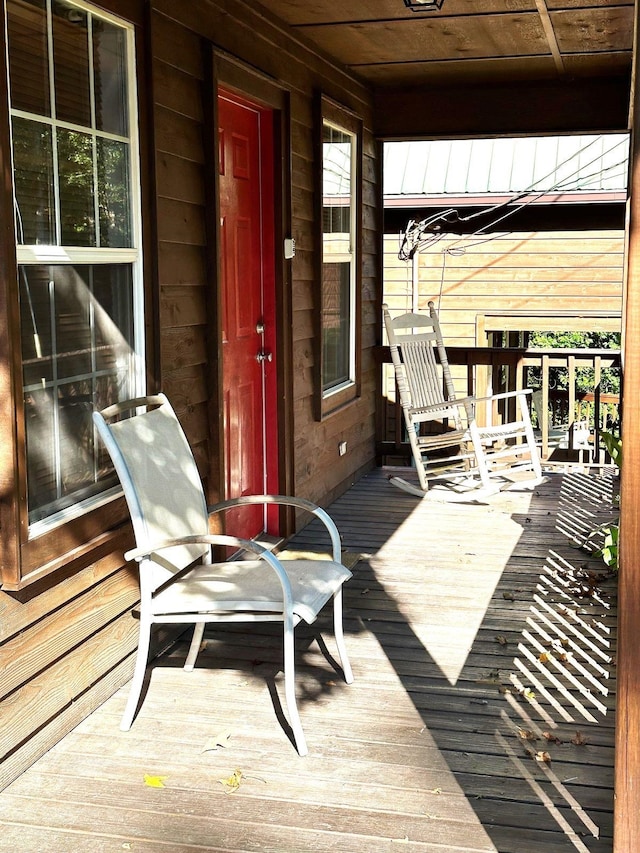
246,232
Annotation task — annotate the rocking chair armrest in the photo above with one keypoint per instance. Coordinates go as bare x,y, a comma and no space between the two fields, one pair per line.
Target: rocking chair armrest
504,395
441,407
263,553
286,500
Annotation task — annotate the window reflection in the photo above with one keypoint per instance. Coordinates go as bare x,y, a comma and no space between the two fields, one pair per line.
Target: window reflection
338,267
77,344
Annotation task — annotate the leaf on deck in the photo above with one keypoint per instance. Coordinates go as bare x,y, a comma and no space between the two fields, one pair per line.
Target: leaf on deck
220,740
232,783
154,781
527,734
579,739
551,738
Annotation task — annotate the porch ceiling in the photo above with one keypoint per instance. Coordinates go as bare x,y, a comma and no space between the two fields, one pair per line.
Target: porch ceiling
478,41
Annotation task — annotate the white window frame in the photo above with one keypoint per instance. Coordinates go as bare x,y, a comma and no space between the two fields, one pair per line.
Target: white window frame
29,255
348,256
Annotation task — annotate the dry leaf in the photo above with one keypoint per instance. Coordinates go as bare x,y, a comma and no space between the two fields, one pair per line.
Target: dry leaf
435,791
526,734
551,738
543,757
232,783
219,740
154,781
528,693
543,657
508,596
579,739
502,640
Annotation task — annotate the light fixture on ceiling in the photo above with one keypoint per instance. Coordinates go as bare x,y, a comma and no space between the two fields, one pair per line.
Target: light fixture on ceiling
423,5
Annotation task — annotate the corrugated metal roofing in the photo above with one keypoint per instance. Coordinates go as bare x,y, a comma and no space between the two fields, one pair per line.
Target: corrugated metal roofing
478,166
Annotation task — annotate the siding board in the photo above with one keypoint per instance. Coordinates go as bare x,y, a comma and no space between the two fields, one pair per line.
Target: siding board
535,273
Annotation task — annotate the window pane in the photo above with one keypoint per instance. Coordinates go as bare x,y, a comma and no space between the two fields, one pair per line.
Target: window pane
72,314
336,324
114,196
113,319
71,63
28,61
336,183
75,441
36,296
87,360
110,78
40,432
75,167
33,182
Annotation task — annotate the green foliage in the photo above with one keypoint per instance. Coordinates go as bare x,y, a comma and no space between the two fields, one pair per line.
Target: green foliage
613,445
585,376
608,551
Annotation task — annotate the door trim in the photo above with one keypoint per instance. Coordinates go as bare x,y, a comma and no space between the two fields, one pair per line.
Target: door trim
235,78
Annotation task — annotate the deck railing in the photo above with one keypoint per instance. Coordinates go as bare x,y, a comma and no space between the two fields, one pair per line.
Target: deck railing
568,420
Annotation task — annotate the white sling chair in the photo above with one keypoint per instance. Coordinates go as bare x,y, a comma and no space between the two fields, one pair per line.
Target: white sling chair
179,583
454,448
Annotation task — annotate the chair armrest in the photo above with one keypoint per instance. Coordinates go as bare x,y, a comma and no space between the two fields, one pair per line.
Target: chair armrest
442,407
502,396
285,500
263,553
140,553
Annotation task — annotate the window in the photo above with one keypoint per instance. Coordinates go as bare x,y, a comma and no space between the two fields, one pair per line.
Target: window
340,274
75,167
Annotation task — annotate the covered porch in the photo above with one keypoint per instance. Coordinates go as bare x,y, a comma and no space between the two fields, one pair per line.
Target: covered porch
483,643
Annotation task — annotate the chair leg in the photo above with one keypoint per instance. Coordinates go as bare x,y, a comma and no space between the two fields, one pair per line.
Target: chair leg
417,454
531,441
194,648
479,452
138,675
290,689
338,631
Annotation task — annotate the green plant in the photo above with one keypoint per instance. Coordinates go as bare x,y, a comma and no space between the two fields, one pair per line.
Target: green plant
608,551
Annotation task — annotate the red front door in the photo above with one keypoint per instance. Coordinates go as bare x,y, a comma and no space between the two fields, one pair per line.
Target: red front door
248,308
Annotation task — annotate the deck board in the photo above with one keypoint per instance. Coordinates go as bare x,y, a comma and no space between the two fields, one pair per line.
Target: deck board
478,641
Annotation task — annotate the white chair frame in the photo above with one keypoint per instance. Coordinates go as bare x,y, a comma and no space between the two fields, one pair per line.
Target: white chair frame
179,581
490,457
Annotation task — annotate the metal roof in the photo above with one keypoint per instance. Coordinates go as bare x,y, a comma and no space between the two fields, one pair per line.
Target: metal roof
545,164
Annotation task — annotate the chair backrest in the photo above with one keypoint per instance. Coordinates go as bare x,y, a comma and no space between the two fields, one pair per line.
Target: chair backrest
159,477
419,359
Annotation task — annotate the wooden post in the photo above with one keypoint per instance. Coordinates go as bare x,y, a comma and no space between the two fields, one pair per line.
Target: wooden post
626,831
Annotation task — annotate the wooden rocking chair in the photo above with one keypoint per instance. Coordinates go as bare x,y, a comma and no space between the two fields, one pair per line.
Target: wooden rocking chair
179,582
446,441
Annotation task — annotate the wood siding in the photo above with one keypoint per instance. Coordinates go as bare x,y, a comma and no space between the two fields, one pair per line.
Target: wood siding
66,642
522,276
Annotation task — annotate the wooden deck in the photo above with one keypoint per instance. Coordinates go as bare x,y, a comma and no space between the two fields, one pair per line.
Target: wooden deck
481,717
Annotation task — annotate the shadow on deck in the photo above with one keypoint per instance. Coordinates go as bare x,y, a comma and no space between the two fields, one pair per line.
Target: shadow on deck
481,718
